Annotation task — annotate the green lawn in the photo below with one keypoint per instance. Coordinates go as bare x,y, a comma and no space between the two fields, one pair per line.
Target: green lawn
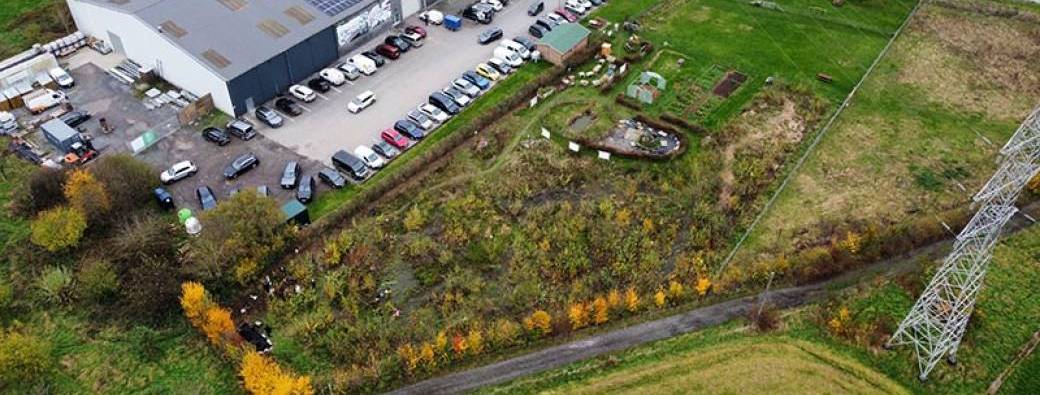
27,22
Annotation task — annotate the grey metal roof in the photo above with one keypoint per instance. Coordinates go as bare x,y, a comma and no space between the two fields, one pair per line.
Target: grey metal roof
231,37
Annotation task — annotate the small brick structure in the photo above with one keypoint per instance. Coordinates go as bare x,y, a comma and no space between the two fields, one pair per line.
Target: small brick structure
563,42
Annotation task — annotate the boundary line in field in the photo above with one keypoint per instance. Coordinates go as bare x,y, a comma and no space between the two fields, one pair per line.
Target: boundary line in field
816,140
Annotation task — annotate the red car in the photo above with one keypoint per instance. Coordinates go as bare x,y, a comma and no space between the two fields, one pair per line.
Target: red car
569,16
395,139
389,51
417,30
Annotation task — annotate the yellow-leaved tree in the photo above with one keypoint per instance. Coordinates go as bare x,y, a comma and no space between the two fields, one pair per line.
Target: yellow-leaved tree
540,322
600,311
218,325
262,376
579,315
194,301
631,300
87,194
58,228
660,299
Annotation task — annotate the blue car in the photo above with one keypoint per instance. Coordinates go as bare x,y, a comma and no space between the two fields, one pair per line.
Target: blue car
477,79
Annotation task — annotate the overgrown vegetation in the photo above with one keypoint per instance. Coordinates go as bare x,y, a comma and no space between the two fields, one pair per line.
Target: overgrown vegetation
27,22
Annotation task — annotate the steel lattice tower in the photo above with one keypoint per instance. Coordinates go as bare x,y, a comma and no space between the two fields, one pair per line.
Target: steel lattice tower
937,321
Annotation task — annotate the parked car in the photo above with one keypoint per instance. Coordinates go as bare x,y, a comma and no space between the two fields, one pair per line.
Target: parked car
516,47
288,106
388,51
207,200
584,3
566,15
444,103
305,193
547,22
433,17
494,4
75,118
269,117
500,65
526,42
61,77
476,79
466,87
303,93
290,175
433,112
388,151
486,71
537,31
216,136
365,63
536,8
240,165
333,76
460,98
511,57
332,178
416,40
241,129
369,156
420,119
361,102
398,42
350,71
394,138
480,13
410,129
354,166
178,171
164,198
556,19
319,85
574,7
489,35
375,57
421,31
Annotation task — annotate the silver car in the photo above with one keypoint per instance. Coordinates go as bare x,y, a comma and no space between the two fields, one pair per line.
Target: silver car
420,119
466,87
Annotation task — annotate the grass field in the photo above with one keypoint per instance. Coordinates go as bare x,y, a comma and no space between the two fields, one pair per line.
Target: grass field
929,122
27,22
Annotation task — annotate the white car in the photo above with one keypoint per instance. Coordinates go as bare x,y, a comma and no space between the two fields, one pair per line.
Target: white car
433,112
370,157
433,16
333,76
303,93
514,46
559,20
420,119
178,171
466,87
495,4
574,6
361,102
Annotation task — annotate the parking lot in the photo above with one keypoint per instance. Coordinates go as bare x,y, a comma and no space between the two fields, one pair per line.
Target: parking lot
326,126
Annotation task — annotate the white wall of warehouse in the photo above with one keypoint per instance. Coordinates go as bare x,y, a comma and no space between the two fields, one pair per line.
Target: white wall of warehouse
410,7
144,45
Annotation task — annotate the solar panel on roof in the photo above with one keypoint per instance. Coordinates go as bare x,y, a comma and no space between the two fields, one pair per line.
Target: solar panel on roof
332,7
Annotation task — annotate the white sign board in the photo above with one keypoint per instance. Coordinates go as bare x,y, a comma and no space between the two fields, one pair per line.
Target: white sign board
573,146
534,101
604,155
545,133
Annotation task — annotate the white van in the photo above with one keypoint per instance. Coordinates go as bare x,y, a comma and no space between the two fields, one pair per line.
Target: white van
516,47
363,63
509,56
60,76
42,100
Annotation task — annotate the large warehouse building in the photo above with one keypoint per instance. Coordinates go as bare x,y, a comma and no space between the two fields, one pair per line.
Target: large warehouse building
242,52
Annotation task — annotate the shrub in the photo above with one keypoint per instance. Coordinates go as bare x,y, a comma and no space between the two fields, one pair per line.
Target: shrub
262,376
58,228
458,345
129,182
675,290
613,299
218,326
475,341
150,289
87,194
703,286
43,189
427,355
539,322
54,285
194,301
409,356
24,358
578,314
660,299
503,333
97,280
631,300
415,219
764,319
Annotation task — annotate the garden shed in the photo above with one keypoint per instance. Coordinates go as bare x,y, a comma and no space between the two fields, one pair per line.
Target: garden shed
563,42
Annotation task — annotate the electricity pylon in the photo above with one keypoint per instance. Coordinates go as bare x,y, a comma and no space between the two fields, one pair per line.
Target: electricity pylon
936,323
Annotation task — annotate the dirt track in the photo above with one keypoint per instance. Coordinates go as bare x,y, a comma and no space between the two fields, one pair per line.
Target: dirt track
690,321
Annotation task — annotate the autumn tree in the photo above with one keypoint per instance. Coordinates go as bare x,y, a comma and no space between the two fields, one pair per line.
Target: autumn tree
703,286
218,326
242,235
675,290
262,376
87,194
475,341
194,301
632,300
427,355
660,299
539,322
458,345
600,311
578,314
613,299
58,228
409,357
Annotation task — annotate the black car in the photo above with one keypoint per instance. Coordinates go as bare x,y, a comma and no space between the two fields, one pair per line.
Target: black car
164,198
241,164
481,13
305,193
398,42
207,199
269,117
288,106
319,84
545,23
409,128
291,175
526,42
216,136
332,178
445,103
75,118
354,166
241,129
489,35
377,58
536,8
538,31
